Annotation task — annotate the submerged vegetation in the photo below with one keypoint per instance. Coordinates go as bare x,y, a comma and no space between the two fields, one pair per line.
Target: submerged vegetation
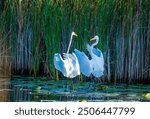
31,31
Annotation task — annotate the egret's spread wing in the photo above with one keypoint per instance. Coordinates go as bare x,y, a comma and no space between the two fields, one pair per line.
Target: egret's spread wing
75,65
98,64
98,67
70,57
98,73
101,58
84,62
69,66
97,52
73,60
58,62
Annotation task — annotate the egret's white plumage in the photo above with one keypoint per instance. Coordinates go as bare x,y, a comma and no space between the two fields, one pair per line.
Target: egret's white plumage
94,66
68,65
84,62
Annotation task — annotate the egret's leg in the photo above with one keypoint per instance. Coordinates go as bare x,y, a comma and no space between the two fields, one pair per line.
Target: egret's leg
92,83
67,84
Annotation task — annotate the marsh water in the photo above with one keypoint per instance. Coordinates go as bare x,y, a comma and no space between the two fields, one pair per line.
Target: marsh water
46,90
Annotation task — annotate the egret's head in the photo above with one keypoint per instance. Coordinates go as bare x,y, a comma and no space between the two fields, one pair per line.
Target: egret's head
74,34
94,38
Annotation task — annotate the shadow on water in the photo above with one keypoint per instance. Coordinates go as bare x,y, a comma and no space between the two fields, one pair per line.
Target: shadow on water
43,90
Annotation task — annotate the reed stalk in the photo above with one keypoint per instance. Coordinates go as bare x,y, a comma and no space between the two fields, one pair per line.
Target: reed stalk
36,29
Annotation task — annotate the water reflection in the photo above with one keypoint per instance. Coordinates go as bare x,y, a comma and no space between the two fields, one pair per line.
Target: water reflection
4,89
29,89
21,94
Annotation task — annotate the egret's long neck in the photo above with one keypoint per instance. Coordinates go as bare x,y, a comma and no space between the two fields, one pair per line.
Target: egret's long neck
91,49
70,43
94,44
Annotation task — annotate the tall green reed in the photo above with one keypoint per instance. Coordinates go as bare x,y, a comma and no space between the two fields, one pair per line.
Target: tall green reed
40,28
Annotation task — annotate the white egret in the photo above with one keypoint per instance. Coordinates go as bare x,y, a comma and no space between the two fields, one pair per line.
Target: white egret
95,65
68,65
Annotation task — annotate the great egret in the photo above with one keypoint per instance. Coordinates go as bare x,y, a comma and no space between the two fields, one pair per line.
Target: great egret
94,66
68,65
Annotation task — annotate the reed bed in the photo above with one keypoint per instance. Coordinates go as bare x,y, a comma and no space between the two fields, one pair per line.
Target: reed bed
5,49
36,29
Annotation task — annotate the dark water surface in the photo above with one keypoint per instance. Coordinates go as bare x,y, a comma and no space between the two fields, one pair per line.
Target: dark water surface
31,89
